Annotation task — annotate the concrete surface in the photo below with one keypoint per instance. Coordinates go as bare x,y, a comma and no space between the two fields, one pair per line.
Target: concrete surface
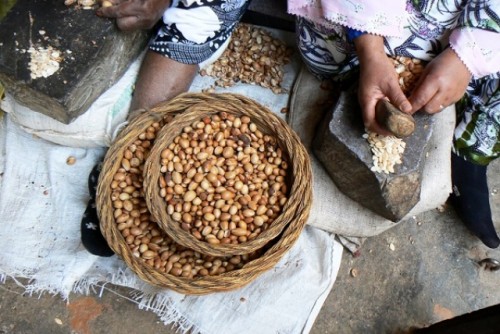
418,273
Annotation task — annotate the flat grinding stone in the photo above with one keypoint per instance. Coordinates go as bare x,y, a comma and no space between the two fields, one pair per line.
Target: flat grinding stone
346,155
95,55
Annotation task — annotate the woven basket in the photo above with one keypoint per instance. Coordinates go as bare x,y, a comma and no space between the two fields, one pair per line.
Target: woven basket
231,280
197,106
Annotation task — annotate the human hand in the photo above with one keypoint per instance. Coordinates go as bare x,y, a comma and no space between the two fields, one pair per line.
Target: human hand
442,83
135,14
378,80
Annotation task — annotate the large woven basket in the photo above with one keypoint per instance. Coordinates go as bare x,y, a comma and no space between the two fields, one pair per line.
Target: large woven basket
270,254
195,107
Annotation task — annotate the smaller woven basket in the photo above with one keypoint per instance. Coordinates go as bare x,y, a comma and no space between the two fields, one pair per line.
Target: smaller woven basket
269,256
195,107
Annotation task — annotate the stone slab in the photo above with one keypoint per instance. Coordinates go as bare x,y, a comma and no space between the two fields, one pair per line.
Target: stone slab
95,52
346,155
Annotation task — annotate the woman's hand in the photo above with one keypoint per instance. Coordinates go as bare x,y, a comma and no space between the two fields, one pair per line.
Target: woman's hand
378,80
442,83
135,14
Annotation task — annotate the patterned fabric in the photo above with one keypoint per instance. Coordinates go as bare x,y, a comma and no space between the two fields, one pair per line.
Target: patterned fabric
328,54
192,30
365,15
352,34
477,50
477,136
473,25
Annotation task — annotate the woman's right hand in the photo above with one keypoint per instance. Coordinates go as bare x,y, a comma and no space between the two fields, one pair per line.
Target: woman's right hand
378,80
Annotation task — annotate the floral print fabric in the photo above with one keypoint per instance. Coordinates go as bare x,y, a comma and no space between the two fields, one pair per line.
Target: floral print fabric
477,136
432,26
364,15
192,30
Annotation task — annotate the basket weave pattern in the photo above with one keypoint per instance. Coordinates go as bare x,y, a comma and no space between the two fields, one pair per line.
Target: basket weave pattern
268,123
270,252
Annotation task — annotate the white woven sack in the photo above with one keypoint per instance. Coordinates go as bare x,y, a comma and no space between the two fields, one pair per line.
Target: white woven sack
94,128
98,125
335,212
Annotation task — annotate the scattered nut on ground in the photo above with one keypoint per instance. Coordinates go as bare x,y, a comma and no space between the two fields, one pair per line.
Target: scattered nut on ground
142,235
224,180
253,56
71,160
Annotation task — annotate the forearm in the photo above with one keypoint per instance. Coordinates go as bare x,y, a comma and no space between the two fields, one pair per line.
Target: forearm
369,47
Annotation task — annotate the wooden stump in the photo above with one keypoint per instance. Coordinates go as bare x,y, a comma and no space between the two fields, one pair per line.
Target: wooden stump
95,55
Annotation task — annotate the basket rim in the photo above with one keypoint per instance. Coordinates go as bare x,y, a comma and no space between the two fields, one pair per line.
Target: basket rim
289,143
201,285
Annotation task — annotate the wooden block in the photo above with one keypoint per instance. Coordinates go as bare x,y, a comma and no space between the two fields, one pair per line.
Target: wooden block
95,55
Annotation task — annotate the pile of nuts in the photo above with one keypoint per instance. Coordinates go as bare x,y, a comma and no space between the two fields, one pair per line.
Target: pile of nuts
253,56
408,70
44,61
223,179
387,151
142,235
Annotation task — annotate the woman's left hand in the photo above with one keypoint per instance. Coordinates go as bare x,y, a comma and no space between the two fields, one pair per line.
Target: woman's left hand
442,83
